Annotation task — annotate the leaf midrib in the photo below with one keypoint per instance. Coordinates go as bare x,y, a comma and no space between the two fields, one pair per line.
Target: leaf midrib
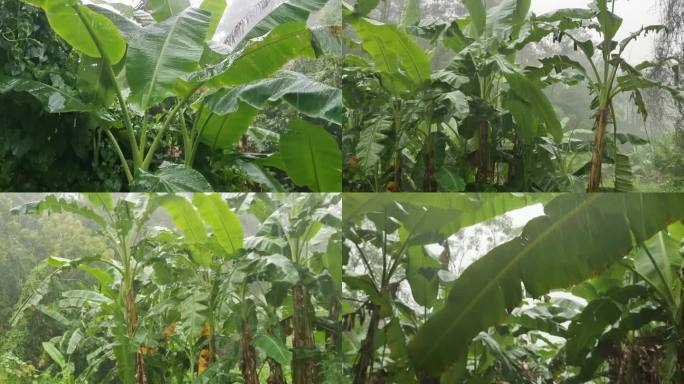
157,67
225,229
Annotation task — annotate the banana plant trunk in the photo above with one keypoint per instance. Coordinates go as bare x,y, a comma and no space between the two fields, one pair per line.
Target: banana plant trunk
597,151
397,172
140,377
365,360
303,368
333,337
248,364
429,184
484,169
276,375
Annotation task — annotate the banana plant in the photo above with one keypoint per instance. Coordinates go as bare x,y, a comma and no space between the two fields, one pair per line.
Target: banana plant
213,235
625,222
123,224
434,118
229,285
169,61
300,230
637,299
386,237
607,72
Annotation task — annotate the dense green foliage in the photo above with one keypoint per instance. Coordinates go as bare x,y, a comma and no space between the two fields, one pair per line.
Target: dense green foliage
30,241
168,99
587,291
40,151
169,289
483,120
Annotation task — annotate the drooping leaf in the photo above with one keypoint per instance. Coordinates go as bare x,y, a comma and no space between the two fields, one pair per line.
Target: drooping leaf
554,251
365,284
642,31
74,22
163,53
630,321
223,131
74,340
466,209
54,205
567,13
53,100
288,11
421,273
527,123
54,354
307,96
78,297
393,52
526,90
171,178
260,58
262,176
95,83
278,269
186,218
273,348
449,181
312,157
225,224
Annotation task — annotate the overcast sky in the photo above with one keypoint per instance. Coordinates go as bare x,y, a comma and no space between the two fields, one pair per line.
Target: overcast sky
635,14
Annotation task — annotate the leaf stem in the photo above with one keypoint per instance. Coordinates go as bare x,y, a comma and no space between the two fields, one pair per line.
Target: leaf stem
157,139
666,286
187,139
122,158
137,156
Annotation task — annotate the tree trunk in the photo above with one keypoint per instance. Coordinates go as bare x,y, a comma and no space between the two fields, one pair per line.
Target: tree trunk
484,169
140,377
427,379
429,184
366,354
248,365
276,373
597,152
397,172
333,337
303,368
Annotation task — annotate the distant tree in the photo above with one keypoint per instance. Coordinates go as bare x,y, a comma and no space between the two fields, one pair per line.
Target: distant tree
670,49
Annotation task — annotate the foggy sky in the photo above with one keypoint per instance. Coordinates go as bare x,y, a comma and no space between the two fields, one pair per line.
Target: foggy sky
635,14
